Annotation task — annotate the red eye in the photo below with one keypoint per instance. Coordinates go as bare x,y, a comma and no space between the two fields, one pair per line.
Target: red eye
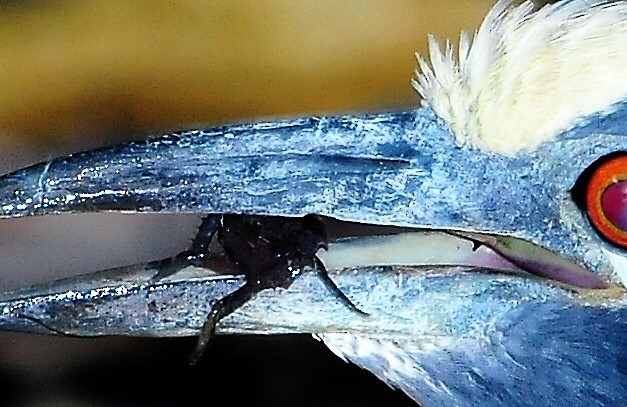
606,200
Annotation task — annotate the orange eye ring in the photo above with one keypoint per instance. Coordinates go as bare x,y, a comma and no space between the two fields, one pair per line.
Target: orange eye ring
606,200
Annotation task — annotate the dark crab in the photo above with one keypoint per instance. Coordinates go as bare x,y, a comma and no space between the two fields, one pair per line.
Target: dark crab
270,251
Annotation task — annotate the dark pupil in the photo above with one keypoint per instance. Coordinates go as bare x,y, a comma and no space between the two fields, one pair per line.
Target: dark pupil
614,204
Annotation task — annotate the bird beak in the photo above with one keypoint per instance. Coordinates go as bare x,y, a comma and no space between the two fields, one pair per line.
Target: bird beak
385,275
400,169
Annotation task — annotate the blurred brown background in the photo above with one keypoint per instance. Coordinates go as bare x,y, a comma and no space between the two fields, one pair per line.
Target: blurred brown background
76,75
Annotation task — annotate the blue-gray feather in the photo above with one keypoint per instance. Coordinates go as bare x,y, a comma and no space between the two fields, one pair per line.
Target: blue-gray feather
544,354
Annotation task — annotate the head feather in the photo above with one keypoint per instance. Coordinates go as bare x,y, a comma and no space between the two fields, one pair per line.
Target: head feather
529,75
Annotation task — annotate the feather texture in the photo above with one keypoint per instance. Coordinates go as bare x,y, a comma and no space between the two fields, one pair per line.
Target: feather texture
528,75
545,354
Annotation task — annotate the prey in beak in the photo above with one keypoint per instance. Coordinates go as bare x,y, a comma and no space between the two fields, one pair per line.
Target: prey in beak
518,153
271,252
